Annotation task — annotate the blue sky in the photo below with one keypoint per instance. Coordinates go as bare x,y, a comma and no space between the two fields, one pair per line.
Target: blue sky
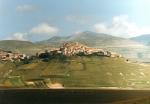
36,20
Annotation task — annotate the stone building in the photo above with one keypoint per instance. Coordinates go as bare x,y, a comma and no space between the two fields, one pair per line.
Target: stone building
10,56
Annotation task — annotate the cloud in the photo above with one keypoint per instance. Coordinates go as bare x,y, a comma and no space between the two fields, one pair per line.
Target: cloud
77,19
77,32
39,32
44,28
18,36
26,8
122,27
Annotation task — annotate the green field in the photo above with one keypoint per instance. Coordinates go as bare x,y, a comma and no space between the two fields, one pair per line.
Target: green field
85,71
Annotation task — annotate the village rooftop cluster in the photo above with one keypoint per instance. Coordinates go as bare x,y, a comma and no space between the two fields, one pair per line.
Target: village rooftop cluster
67,49
75,48
10,56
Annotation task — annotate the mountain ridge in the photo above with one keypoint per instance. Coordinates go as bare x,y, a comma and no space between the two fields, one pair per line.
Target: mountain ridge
144,39
92,39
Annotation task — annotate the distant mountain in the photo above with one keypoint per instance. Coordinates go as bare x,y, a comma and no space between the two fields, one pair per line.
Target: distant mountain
19,46
8,44
54,41
92,39
144,39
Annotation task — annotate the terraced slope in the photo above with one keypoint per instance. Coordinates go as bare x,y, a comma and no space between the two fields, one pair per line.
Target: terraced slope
82,71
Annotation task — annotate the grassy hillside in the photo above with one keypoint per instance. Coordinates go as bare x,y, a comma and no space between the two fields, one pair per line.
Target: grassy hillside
81,72
26,47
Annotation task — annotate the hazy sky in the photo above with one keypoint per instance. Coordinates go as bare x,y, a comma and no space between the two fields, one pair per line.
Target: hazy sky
41,19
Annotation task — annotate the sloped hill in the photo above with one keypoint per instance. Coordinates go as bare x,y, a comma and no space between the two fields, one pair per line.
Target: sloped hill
93,39
15,43
19,46
85,72
55,41
145,39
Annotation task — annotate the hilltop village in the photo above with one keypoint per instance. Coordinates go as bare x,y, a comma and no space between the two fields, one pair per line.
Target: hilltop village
67,49
77,49
71,65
